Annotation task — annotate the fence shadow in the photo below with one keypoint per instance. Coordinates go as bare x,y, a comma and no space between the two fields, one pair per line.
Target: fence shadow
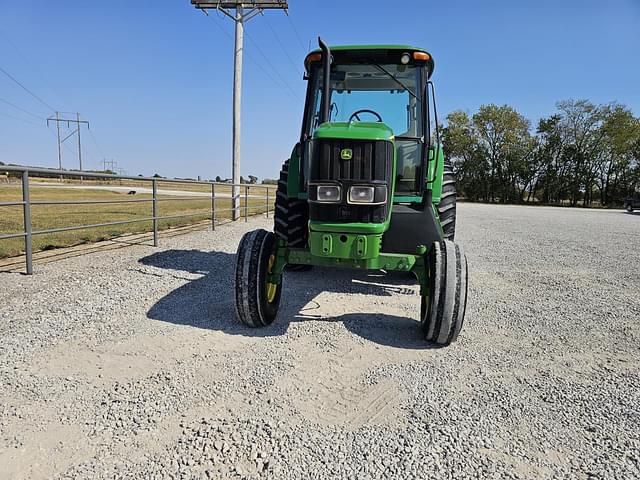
208,301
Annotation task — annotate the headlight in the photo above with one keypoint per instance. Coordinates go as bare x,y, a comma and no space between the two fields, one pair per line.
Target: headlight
328,193
361,194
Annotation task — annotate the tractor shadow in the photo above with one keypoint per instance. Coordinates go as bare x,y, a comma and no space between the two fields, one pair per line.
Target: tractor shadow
208,301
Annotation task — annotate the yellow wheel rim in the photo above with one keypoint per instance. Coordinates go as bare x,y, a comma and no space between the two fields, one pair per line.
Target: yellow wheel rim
272,288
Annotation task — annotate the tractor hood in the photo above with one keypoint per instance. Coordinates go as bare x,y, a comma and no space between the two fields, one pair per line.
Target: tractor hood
354,131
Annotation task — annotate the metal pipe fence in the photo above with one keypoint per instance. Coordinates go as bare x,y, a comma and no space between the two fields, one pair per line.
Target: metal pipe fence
57,175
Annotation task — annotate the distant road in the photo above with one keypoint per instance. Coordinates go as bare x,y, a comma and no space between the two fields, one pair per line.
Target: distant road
116,188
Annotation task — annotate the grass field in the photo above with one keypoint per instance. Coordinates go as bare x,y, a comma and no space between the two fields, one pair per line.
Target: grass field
45,217
254,189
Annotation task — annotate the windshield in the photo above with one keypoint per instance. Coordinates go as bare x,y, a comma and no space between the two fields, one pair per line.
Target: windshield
389,93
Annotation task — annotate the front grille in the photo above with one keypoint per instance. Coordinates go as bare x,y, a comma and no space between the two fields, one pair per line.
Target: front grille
371,160
371,163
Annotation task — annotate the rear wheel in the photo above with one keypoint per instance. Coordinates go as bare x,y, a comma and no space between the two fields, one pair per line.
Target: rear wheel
257,300
447,205
442,312
291,217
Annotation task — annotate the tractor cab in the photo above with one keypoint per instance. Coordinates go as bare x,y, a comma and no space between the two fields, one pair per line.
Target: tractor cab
373,92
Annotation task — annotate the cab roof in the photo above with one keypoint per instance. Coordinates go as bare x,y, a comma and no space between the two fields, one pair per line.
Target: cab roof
375,52
371,47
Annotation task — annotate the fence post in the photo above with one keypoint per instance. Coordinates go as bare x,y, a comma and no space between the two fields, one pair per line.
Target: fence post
213,206
267,201
154,211
246,203
28,245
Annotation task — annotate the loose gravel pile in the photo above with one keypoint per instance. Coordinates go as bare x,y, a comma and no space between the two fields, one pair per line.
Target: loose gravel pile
129,364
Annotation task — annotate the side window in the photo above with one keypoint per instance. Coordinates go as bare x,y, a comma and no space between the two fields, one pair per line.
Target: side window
408,155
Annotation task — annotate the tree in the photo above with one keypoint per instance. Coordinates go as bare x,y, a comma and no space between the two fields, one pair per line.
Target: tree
490,152
549,154
621,136
218,179
504,136
461,148
253,179
581,125
580,154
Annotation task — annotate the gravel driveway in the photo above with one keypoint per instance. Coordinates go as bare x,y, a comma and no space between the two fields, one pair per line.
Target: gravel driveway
129,364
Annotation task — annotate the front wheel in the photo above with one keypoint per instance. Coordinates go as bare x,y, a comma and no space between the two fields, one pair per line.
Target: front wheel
442,312
257,299
629,208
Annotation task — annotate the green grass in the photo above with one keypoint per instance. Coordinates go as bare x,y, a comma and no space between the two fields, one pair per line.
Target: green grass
162,185
56,216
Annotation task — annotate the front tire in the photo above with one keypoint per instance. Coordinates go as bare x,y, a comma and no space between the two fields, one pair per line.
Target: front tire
442,312
629,208
257,300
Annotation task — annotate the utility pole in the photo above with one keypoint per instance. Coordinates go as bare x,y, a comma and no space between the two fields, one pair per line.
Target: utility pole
68,121
241,16
59,144
79,144
237,96
109,165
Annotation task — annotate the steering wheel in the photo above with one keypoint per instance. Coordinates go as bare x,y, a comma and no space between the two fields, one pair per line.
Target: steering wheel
355,115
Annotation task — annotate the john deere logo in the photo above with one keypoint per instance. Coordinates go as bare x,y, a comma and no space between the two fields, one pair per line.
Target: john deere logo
346,154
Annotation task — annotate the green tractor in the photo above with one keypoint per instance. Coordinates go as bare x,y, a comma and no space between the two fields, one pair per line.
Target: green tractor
367,187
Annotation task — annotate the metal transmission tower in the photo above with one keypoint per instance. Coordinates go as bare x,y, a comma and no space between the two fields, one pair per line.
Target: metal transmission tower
68,121
240,16
110,165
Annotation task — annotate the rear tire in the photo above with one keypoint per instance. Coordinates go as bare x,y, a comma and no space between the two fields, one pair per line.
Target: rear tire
447,205
257,301
442,312
291,218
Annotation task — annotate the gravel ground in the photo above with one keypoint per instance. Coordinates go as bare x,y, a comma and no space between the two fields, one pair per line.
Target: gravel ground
129,364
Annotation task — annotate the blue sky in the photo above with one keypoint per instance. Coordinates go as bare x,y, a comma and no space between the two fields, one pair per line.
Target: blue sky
154,78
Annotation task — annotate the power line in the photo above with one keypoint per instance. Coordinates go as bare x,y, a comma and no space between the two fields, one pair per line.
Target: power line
224,30
295,31
42,79
284,49
96,143
256,63
266,58
21,119
55,91
21,109
27,90
28,62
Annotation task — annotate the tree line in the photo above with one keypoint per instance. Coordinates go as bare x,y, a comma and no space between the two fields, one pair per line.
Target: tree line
583,154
